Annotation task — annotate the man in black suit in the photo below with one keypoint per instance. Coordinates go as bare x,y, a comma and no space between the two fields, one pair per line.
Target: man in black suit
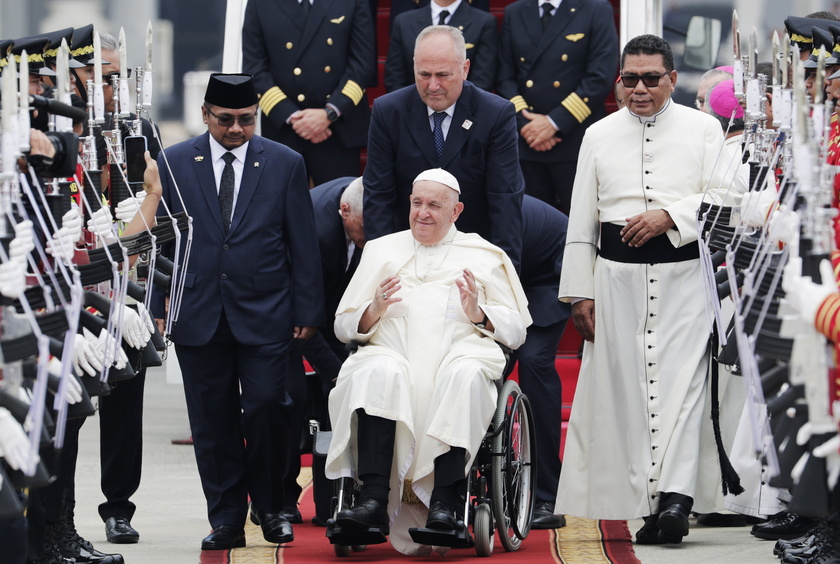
311,61
557,64
543,241
400,6
341,237
251,286
445,121
478,27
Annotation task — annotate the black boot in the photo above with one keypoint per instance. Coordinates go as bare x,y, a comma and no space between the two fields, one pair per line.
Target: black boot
50,553
71,545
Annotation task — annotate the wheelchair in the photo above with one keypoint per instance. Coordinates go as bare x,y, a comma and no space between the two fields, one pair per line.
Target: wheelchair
500,488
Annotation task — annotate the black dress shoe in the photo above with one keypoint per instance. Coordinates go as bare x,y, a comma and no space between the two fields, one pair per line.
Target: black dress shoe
224,537
118,530
544,517
441,517
276,529
784,526
722,520
292,514
673,520
368,514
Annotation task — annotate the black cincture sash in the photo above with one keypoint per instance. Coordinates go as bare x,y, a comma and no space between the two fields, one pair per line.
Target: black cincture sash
657,250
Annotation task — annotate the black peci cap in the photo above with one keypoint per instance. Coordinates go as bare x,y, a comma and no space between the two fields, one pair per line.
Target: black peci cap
233,91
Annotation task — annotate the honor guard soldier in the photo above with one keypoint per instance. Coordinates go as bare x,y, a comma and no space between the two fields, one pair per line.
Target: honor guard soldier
800,32
311,61
557,63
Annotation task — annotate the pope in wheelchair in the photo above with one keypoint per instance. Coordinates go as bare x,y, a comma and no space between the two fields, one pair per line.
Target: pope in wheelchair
410,408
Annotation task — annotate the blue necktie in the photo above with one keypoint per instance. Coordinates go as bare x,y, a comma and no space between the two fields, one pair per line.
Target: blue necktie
226,189
437,132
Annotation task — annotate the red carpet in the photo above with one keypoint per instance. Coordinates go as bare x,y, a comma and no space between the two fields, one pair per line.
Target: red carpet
582,541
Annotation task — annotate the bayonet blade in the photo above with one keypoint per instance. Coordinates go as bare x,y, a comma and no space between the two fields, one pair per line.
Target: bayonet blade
122,96
123,57
736,36
149,41
753,54
98,94
819,78
775,73
785,62
147,75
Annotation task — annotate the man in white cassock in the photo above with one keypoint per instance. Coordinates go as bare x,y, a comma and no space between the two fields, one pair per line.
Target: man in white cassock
413,404
637,443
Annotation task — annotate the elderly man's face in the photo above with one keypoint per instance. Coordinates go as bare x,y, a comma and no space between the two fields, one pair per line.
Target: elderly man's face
225,126
353,225
701,102
647,100
439,72
434,208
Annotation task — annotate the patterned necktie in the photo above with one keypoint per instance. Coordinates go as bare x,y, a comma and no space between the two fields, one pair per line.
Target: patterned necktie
226,189
546,17
437,132
442,19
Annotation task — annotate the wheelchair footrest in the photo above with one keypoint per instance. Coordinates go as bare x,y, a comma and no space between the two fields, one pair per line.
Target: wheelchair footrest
459,538
354,537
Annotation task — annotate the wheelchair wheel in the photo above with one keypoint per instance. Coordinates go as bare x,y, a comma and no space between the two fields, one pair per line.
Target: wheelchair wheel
483,530
514,466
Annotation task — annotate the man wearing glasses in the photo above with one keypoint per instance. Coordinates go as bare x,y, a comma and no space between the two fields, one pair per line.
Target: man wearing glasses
632,272
252,284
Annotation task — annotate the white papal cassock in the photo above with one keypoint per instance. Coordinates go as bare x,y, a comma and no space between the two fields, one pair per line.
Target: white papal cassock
424,364
639,417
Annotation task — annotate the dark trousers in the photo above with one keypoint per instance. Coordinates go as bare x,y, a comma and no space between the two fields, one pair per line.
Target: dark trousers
121,445
240,437
298,393
550,182
539,381
328,160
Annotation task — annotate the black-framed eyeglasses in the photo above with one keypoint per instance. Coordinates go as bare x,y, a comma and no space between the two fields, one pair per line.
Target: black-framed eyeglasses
649,80
227,120
107,78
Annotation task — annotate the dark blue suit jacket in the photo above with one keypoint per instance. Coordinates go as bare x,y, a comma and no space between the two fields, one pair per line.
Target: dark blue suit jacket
478,27
332,244
480,151
265,273
543,242
565,72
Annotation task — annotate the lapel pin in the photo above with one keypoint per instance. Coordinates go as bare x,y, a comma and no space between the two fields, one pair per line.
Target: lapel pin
256,164
467,124
199,158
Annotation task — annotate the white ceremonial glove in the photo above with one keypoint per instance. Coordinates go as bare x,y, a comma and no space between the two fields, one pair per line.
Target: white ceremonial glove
12,278
73,390
23,243
802,293
101,224
72,222
62,245
783,225
110,351
84,354
830,450
754,206
133,327
128,208
146,318
14,444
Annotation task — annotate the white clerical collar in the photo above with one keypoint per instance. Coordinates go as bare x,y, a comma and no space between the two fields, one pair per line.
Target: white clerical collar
216,150
646,119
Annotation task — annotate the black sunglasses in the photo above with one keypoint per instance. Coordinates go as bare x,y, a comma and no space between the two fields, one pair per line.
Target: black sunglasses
649,80
226,120
107,77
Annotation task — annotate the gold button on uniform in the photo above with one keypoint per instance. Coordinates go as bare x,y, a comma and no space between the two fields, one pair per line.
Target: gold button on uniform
301,97
289,45
586,100
522,59
329,41
327,68
297,71
564,58
556,84
529,83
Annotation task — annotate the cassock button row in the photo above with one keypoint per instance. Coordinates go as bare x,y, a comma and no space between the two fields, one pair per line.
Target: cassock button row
649,200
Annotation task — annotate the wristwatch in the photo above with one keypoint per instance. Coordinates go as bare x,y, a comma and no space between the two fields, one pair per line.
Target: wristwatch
483,323
332,115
